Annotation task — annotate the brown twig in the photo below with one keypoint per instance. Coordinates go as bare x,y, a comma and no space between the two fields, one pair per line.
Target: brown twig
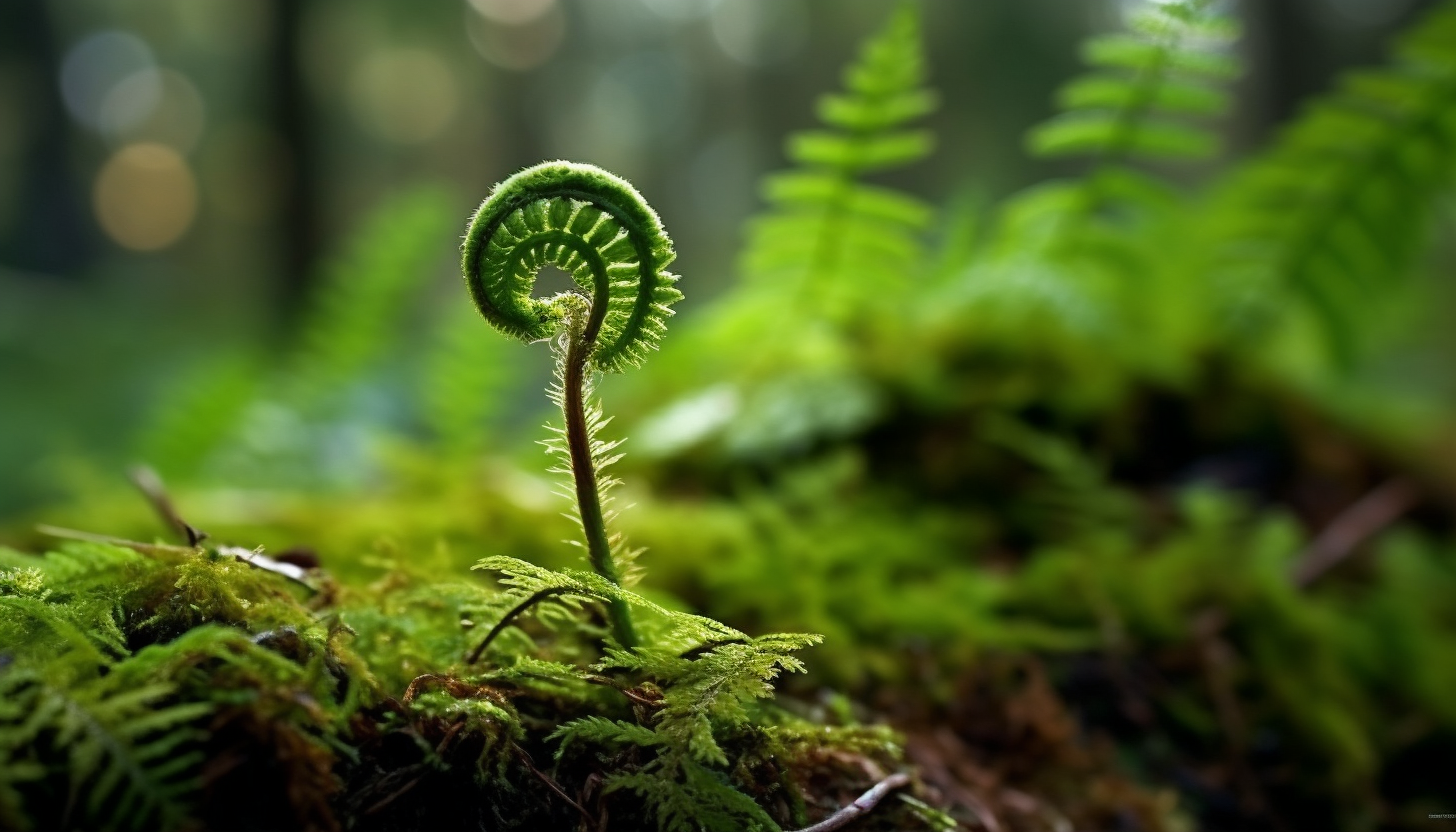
150,484
135,546
402,790
551,784
630,693
253,558
1218,658
862,804
1356,524
928,753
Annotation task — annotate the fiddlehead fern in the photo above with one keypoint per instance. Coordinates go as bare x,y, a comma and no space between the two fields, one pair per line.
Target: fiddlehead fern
594,226
597,228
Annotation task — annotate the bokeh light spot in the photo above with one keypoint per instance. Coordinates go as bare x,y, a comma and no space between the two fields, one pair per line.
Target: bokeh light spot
145,197
92,67
160,106
129,101
679,10
517,47
404,95
760,32
512,12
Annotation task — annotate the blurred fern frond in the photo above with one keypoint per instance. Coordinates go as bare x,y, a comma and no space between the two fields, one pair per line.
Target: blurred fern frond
353,323
1148,98
358,303
203,408
1080,261
1145,86
829,253
828,237
463,378
127,752
1339,209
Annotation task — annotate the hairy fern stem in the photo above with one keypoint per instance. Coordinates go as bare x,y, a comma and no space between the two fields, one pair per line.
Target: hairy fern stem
596,227
575,353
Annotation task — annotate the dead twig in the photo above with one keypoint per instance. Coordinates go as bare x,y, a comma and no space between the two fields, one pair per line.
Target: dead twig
1356,524
552,784
135,546
862,804
150,484
401,791
252,557
631,693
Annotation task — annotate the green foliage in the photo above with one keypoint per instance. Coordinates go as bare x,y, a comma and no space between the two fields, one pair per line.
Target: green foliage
359,300
1074,270
462,384
1028,446
200,414
829,270
830,243
1339,210
129,753
227,405
709,676
1145,84
114,657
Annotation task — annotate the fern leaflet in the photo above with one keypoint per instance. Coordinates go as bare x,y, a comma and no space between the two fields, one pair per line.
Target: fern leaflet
830,239
1146,84
128,753
1339,209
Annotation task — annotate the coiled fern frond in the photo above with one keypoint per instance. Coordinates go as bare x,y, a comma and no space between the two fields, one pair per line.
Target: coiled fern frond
594,226
1340,207
597,228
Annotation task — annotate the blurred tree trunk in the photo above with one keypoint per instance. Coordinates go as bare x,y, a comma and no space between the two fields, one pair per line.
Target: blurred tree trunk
48,228
298,216
1298,47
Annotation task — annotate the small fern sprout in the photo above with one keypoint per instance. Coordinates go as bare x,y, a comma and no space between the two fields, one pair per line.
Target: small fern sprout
597,228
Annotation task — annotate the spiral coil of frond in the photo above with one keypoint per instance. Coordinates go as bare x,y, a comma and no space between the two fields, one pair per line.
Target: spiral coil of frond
592,225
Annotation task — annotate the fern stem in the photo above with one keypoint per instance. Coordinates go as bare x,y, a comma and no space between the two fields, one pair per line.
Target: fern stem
500,626
584,477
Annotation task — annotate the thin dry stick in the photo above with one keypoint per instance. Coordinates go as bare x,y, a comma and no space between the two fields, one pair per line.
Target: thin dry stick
150,484
862,804
625,691
134,545
551,784
1356,524
1217,658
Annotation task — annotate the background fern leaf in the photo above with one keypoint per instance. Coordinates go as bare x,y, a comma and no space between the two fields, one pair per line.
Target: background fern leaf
1146,83
828,237
127,750
352,327
466,378
1336,213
